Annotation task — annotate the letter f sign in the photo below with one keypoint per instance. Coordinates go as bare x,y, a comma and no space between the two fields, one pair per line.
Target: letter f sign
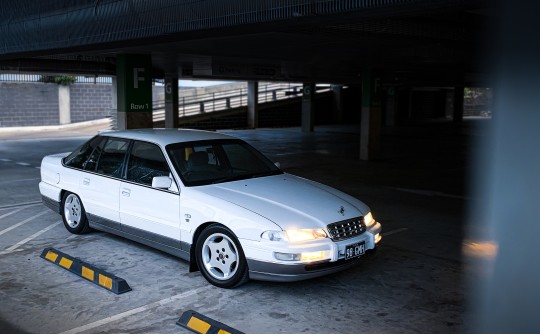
136,77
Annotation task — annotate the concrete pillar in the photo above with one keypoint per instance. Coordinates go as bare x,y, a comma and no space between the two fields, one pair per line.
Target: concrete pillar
337,106
459,94
370,122
64,107
505,282
308,114
449,104
114,103
171,102
390,107
253,104
134,91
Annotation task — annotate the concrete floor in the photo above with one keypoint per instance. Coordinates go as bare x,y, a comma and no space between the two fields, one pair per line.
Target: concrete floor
414,284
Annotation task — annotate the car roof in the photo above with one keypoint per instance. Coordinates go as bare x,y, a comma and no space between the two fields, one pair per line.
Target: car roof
165,137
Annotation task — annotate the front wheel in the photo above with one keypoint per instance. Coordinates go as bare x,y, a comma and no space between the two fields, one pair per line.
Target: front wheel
73,214
220,257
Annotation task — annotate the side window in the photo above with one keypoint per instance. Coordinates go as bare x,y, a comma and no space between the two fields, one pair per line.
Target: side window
79,157
146,161
111,157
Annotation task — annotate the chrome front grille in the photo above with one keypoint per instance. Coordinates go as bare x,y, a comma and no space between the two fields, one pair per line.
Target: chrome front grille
346,229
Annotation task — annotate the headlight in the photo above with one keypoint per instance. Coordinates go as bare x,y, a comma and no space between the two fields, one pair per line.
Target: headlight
368,219
305,235
295,235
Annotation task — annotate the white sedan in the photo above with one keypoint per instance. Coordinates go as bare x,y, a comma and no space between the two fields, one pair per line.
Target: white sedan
210,199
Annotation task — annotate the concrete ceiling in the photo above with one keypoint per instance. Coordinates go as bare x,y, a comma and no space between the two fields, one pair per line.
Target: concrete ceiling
435,43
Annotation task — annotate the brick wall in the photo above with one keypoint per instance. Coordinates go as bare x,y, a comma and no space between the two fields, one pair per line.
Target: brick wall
28,104
31,104
90,102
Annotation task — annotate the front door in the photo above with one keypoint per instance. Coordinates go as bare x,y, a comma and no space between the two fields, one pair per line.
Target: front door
146,212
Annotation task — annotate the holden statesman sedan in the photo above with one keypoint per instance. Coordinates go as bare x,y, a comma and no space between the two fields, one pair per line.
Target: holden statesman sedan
210,199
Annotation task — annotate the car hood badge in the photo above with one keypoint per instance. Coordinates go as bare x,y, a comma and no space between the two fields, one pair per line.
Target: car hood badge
342,211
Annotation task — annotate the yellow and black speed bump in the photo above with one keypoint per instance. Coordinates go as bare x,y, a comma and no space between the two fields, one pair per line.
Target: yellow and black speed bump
198,323
87,271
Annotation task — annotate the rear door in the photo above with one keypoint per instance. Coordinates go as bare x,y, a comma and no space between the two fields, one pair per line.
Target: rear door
148,212
100,185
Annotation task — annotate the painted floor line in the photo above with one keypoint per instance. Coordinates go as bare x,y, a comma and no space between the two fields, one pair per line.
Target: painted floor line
21,180
30,238
25,204
143,308
399,230
10,213
23,164
23,222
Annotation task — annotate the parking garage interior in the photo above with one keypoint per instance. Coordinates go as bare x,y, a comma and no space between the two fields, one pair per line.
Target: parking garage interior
392,129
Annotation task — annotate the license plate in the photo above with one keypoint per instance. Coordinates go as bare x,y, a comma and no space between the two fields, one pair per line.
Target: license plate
355,250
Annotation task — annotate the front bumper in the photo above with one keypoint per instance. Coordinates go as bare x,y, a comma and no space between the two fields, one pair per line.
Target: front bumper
264,266
275,272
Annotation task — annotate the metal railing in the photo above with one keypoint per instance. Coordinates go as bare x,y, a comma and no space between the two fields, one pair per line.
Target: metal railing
16,77
230,99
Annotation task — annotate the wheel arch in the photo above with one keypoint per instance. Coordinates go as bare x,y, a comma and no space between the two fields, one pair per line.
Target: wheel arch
193,266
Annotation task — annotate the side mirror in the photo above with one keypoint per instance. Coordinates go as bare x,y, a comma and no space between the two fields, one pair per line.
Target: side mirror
161,182
278,165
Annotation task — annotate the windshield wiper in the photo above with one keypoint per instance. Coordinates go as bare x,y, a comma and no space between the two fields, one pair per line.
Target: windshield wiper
233,178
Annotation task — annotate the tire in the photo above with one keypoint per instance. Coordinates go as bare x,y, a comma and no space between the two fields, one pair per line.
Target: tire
73,214
220,257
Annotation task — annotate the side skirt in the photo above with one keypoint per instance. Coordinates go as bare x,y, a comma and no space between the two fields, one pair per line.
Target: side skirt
164,244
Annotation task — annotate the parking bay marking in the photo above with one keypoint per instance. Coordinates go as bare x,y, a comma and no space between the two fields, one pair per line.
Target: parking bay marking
25,204
20,223
20,180
137,310
10,213
30,238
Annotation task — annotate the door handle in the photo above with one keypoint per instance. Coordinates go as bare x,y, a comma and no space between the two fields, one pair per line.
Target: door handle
86,181
126,192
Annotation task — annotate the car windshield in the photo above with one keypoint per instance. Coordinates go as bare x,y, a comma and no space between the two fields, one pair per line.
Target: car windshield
216,161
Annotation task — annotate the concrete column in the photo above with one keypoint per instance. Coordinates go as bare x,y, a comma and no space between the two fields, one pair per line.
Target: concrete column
449,104
308,114
459,94
171,102
506,284
370,123
114,103
337,107
390,107
253,104
134,88
64,107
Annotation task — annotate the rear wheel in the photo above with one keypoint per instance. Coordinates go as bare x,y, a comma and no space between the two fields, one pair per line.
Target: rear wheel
73,214
220,258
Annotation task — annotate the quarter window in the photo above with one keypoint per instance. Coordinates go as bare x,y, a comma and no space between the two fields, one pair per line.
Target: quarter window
79,157
146,161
